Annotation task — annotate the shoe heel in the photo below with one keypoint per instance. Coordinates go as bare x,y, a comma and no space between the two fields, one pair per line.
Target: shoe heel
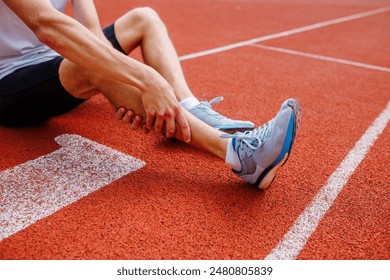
271,173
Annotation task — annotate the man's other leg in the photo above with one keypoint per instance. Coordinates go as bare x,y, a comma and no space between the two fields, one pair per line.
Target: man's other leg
143,27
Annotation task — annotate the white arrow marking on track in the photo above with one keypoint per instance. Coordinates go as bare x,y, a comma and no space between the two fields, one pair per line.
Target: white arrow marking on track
36,189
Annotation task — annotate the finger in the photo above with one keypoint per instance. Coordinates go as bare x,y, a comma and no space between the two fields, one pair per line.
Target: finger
120,113
170,127
184,126
136,122
159,124
129,116
150,119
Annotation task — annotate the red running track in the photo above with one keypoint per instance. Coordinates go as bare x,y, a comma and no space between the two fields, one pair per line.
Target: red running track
184,204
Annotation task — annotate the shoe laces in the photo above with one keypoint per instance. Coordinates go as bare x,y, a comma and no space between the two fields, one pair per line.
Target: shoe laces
254,139
208,105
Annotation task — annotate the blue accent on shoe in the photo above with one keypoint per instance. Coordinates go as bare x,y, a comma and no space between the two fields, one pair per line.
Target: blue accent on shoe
286,150
288,141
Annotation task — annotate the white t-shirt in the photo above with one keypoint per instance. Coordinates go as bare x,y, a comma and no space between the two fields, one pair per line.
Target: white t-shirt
19,47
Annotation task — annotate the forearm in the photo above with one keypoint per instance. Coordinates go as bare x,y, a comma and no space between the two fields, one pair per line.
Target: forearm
76,43
83,48
79,45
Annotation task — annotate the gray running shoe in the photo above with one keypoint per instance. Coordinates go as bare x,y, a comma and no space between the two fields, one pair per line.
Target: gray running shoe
264,150
205,113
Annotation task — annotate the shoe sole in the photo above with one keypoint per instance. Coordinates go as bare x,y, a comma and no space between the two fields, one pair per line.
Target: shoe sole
268,176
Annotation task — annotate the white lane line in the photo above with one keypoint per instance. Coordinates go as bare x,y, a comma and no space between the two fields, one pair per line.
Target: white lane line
298,235
38,188
284,34
322,57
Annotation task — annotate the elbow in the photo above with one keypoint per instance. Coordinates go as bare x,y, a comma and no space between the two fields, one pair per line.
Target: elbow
44,29
47,37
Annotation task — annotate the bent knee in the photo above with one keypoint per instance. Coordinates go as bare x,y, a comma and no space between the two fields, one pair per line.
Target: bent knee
146,17
145,13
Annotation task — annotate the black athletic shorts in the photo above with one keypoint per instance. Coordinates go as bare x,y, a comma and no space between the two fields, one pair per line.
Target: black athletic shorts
33,94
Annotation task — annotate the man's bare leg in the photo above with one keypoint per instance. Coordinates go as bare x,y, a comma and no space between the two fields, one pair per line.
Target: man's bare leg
143,27
84,84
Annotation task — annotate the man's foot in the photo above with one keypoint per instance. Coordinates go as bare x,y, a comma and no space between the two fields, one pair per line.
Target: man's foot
262,151
204,112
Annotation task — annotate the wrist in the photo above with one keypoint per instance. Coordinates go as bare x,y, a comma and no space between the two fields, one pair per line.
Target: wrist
149,78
